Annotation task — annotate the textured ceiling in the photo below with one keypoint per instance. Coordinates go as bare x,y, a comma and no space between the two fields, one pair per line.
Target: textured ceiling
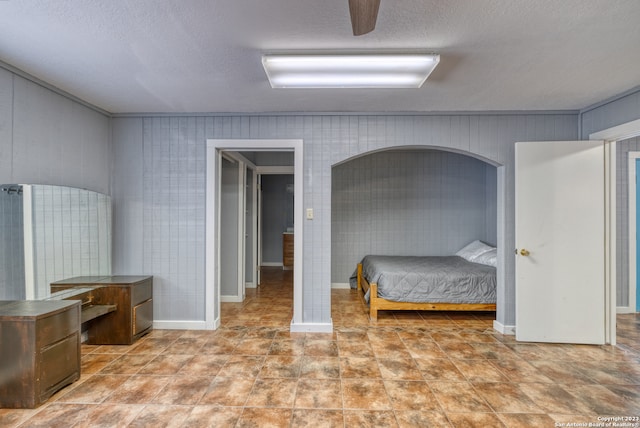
204,55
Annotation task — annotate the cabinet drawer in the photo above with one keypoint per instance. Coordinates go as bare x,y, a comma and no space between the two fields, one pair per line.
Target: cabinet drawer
142,316
56,327
59,361
141,292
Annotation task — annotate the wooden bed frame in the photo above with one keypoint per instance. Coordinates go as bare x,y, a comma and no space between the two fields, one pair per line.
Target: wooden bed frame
379,304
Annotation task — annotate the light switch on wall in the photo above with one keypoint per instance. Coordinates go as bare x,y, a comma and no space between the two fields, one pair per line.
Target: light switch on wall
309,213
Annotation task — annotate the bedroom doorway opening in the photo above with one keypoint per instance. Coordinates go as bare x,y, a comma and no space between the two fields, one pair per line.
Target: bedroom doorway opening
245,153
633,291
410,201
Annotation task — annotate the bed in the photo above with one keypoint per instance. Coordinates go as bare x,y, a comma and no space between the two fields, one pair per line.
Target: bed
462,282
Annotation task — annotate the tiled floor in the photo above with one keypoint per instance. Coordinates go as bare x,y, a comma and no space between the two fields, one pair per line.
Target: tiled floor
410,369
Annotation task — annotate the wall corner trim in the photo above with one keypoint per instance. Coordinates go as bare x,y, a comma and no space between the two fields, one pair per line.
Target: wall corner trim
504,329
232,299
311,327
18,72
340,285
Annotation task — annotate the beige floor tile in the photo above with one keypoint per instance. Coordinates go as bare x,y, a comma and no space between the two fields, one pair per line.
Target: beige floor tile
420,418
213,416
458,397
203,365
273,393
186,390
264,418
59,415
138,389
405,369
439,369
475,420
127,364
526,420
369,394
318,418
320,367
320,348
278,366
161,416
93,363
165,364
375,418
359,367
411,395
110,416
554,398
318,394
95,389
506,398
228,391
242,366
479,371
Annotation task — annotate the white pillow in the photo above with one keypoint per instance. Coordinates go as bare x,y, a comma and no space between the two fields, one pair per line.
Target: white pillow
474,250
488,258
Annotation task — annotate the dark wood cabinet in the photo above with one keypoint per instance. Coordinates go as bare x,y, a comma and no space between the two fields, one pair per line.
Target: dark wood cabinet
40,350
287,251
133,298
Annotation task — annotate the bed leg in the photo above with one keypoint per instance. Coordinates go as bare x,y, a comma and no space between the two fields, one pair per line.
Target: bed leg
373,305
359,282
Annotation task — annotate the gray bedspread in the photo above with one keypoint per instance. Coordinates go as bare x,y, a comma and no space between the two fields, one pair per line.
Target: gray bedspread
447,279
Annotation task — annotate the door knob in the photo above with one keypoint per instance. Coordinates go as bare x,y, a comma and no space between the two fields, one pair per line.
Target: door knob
524,252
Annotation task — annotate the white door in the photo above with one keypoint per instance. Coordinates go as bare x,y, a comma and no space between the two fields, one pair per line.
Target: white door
560,241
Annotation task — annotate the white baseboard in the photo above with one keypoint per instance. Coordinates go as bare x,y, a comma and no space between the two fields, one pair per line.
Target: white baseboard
311,327
504,329
340,285
232,299
625,310
250,285
180,325
271,264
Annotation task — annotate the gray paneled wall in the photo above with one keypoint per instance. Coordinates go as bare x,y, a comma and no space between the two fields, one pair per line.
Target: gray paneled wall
171,207
46,138
611,113
418,202
173,215
491,196
11,246
6,126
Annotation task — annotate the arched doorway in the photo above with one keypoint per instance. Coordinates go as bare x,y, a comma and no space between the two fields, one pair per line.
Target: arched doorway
410,201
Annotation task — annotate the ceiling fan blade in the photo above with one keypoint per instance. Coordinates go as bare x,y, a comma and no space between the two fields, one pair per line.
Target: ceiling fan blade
363,15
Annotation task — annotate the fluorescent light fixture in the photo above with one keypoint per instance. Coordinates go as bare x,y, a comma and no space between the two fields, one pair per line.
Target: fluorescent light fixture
349,71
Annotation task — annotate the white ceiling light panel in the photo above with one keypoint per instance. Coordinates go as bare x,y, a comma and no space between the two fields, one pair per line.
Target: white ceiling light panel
349,71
